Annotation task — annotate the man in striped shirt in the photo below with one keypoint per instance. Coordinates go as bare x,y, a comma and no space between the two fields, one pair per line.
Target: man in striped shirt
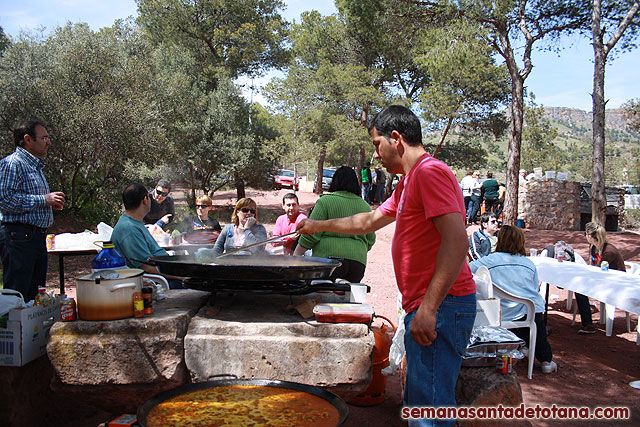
25,206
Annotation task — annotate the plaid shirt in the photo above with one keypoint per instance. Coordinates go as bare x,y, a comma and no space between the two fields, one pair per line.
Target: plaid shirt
22,190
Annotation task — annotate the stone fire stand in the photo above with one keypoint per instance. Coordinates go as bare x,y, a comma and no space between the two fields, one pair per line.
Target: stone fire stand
119,364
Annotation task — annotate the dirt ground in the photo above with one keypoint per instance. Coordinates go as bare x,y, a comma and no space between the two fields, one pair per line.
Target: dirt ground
594,370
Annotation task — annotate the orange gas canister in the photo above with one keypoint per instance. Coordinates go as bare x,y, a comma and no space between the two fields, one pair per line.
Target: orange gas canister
375,393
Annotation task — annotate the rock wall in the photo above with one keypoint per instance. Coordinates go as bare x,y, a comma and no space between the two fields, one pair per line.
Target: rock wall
548,204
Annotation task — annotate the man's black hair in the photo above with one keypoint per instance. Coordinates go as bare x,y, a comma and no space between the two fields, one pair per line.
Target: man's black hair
164,183
345,179
25,127
484,219
290,196
133,195
400,119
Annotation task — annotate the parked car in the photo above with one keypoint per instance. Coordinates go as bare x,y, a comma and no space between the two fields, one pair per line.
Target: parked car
286,178
327,177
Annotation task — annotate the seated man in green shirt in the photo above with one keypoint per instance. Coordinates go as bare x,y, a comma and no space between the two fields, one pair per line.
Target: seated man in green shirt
132,239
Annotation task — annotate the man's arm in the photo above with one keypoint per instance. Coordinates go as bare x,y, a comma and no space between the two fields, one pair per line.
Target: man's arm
449,262
362,223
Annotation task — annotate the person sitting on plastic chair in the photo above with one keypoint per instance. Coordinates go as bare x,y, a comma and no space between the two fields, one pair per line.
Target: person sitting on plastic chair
565,250
514,273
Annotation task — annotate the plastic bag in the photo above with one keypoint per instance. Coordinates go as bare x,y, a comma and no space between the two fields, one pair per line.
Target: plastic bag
482,277
104,232
10,299
397,351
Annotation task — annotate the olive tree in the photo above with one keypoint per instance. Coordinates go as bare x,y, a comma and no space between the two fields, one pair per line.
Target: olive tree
93,90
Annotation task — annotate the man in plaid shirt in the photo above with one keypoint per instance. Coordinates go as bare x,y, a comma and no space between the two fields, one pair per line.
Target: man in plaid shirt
25,206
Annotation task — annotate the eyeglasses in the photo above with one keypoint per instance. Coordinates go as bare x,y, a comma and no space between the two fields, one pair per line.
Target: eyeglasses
248,210
162,193
201,206
493,221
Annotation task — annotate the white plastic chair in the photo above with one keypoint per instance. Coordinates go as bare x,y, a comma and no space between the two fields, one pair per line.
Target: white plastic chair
158,279
528,322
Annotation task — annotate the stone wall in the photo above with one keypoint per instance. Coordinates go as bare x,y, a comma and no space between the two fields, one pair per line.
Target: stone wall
548,204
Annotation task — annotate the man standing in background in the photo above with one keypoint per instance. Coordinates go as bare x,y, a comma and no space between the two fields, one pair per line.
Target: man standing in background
490,190
366,182
25,205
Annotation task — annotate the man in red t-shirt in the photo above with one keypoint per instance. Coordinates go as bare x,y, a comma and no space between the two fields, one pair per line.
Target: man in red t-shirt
429,257
287,223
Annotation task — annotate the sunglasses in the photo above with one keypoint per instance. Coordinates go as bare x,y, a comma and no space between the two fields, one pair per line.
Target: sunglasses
493,221
162,193
247,210
201,206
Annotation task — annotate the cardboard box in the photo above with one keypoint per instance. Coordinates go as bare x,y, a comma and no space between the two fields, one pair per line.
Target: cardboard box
25,337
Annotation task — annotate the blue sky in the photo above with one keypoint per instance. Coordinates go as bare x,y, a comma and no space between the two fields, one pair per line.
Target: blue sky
557,80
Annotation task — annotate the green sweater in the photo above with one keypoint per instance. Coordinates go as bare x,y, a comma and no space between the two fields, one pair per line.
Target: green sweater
339,204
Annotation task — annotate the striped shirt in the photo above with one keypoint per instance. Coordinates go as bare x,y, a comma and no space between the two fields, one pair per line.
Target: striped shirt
23,188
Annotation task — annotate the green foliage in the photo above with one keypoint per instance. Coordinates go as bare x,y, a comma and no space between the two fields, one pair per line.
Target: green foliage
465,83
226,37
93,90
538,149
632,113
4,41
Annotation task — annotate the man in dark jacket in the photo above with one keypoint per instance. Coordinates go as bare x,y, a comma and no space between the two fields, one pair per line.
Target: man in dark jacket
480,241
162,208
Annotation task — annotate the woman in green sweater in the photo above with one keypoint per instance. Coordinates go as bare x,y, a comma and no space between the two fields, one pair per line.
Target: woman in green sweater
343,200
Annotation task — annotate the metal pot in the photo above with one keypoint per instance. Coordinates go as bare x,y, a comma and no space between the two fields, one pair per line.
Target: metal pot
108,299
240,268
337,402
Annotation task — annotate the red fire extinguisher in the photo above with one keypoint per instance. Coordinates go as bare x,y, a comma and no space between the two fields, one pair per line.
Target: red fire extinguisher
375,393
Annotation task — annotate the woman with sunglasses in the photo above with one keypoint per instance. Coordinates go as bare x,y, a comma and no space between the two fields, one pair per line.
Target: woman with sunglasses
243,230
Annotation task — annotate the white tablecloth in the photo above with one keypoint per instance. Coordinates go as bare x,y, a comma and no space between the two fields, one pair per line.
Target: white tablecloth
613,287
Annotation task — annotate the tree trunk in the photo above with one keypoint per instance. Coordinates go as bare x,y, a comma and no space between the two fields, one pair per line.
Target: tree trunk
513,159
320,172
598,197
193,182
239,185
360,164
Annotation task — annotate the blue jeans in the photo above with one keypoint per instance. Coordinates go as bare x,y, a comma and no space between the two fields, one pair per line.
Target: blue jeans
24,258
474,208
432,371
365,191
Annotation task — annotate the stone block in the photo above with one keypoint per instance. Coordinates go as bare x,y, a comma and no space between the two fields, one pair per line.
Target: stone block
128,351
270,343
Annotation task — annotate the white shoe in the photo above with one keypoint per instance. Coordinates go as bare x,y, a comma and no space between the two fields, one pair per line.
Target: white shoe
549,367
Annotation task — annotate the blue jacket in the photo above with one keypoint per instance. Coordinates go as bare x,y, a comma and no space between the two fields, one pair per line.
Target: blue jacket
479,245
515,274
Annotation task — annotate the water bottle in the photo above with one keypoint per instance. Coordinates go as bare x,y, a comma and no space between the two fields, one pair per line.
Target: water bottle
108,259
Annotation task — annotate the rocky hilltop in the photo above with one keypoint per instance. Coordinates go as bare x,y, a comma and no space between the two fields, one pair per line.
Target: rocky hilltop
572,117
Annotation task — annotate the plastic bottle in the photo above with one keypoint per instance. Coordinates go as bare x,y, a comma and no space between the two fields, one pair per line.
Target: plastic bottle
43,298
147,296
138,304
108,259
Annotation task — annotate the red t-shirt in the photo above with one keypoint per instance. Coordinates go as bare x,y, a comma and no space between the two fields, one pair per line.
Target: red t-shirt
429,190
